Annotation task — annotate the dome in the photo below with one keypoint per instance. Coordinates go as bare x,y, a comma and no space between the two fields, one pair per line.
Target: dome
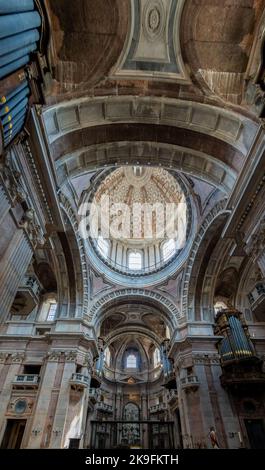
140,219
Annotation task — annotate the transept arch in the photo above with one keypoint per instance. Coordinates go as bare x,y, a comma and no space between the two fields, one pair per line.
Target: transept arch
214,220
74,128
130,330
166,306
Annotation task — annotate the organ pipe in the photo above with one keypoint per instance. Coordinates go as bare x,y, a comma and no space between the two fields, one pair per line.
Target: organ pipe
236,344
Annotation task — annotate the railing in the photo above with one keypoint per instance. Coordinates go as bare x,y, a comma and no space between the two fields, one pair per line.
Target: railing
157,408
26,379
80,379
113,374
258,292
30,282
103,428
101,406
93,394
160,429
144,270
191,381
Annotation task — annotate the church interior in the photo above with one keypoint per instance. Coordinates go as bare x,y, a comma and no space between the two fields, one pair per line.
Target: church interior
122,327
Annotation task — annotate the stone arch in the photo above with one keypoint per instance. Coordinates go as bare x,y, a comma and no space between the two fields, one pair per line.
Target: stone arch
149,153
125,344
77,126
213,221
227,282
80,262
169,309
59,262
250,275
207,293
137,329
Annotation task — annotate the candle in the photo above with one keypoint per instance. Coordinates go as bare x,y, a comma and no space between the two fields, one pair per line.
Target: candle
240,437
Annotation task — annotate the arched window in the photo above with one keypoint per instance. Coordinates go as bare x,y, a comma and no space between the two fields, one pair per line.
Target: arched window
52,311
135,260
157,359
107,357
168,335
168,249
131,361
137,171
103,246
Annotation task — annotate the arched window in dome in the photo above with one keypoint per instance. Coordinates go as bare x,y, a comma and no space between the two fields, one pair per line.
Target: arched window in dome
135,260
168,249
168,334
107,357
157,359
137,171
131,361
103,246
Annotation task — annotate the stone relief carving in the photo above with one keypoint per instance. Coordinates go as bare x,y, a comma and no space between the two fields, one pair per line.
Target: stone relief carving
183,362
153,43
11,179
70,356
18,358
3,357
54,356
20,406
206,359
154,20
30,224
257,244
89,362
135,292
37,180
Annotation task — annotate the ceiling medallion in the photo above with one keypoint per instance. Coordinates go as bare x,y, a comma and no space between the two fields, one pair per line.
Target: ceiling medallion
154,19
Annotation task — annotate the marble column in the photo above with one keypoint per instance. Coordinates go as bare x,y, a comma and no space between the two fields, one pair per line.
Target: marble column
184,415
84,407
46,402
118,411
193,406
11,366
157,255
60,434
144,410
